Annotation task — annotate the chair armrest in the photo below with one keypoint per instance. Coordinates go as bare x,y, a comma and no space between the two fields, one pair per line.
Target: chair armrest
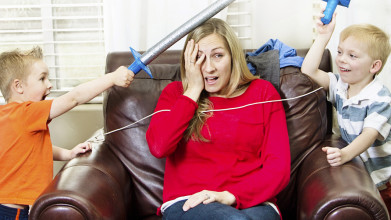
343,192
93,186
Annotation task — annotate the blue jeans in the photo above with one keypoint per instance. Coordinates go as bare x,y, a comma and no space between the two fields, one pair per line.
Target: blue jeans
7,213
218,211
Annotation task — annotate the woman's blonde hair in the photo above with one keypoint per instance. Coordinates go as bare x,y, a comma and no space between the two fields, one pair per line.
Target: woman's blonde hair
240,74
14,65
372,37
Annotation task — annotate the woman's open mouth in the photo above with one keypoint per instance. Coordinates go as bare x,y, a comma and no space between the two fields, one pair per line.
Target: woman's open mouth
211,79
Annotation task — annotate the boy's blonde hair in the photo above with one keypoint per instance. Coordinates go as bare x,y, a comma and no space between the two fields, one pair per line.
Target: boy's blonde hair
14,65
376,40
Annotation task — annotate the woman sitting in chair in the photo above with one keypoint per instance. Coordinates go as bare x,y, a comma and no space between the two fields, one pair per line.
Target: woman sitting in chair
221,163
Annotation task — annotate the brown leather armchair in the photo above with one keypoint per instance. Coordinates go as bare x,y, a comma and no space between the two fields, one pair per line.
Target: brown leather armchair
120,179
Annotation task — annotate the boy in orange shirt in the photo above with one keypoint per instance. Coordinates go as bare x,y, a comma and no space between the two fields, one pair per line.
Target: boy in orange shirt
26,151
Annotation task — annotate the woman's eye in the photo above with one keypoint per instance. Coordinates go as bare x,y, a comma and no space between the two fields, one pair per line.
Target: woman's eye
199,55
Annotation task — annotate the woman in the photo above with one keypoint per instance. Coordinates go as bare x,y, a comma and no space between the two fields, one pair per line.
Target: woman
227,164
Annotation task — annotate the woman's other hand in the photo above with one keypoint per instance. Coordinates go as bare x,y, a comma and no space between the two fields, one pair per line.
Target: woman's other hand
206,197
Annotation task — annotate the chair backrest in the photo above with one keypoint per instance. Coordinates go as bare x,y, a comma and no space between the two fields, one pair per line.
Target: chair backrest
307,119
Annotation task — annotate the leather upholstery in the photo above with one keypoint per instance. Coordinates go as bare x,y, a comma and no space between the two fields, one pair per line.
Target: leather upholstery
120,179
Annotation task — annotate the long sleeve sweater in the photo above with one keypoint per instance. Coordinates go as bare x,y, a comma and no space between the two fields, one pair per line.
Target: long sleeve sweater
247,153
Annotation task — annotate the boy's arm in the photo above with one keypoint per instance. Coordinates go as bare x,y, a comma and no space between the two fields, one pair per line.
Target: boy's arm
337,157
87,91
61,154
313,58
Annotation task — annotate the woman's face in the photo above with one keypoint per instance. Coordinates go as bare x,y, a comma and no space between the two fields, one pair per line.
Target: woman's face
216,68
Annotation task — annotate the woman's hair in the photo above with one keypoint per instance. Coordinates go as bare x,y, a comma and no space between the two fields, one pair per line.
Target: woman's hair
15,65
372,37
240,74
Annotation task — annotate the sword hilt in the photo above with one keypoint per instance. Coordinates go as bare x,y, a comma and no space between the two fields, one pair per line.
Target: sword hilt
330,8
329,11
138,65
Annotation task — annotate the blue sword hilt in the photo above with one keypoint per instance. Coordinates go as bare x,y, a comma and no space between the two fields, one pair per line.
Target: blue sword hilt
330,8
138,65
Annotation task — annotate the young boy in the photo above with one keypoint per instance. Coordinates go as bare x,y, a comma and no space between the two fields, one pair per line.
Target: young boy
362,102
26,151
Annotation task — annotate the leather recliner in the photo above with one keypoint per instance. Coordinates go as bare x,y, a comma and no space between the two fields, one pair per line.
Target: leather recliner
120,179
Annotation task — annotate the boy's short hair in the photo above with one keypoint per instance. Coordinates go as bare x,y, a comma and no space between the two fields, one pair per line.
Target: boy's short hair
377,41
14,65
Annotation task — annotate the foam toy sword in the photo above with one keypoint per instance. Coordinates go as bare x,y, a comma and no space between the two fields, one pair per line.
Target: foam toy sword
330,8
141,61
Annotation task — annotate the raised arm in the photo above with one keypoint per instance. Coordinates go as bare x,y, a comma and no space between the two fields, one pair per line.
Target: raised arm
182,106
312,60
87,91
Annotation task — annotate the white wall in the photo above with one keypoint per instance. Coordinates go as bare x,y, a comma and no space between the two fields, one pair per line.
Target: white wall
141,24
286,20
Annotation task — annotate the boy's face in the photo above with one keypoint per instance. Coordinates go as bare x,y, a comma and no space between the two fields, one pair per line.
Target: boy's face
355,66
37,85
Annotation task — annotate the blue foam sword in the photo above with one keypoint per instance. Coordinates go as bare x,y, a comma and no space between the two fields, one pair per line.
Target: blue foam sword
141,61
330,8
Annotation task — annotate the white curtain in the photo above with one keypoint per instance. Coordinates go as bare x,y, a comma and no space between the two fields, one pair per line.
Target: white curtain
142,23
376,12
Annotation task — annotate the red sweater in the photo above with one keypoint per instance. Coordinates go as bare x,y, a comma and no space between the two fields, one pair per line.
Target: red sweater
248,153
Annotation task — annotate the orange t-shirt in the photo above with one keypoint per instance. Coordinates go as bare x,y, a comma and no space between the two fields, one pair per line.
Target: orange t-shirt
26,158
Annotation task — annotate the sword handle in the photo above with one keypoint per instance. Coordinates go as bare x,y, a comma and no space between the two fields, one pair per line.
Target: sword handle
138,65
329,11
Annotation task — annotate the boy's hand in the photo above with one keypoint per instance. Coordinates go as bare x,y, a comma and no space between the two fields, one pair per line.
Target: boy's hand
325,29
122,76
80,149
334,156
